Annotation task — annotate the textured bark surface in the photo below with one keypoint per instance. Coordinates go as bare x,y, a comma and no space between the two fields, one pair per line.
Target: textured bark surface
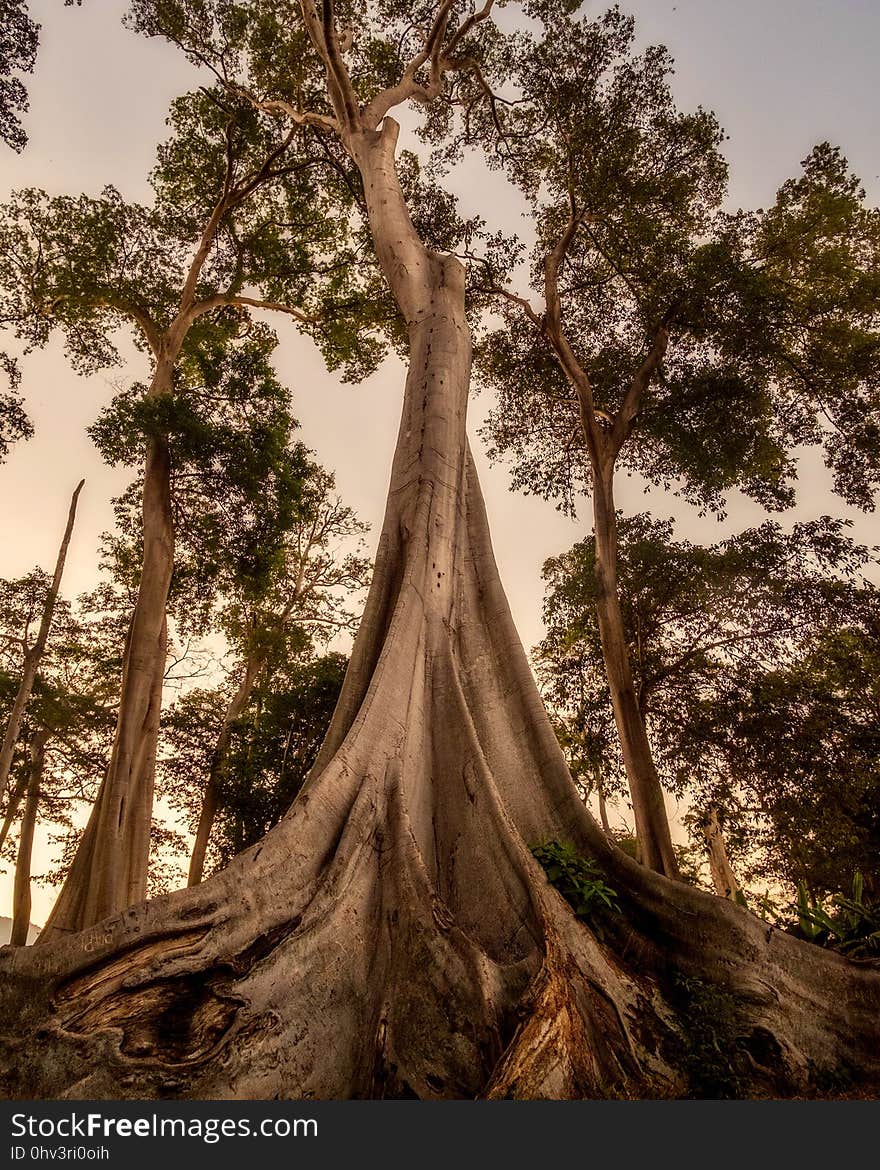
393,936
21,895
649,811
109,871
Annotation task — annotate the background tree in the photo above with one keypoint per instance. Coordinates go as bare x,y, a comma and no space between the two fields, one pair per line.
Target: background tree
712,633
267,748
33,652
227,190
260,531
303,598
21,902
801,742
676,340
68,724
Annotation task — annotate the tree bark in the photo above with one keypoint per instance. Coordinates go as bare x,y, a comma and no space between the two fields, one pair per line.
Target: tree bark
603,806
109,871
210,800
393,935
723,877
21,896
35,653
12,806
652,825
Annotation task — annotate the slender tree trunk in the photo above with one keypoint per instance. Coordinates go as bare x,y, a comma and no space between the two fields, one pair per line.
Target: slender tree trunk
723,877
35,653
109,871
603,807
236,706
12,806
393,935
21,910
652,825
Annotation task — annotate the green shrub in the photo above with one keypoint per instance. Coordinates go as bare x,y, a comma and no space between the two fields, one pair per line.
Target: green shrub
580,881
848,924
712,1050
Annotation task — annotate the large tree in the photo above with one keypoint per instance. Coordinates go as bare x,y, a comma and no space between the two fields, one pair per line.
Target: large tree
656,333
185,273
394,935
733,647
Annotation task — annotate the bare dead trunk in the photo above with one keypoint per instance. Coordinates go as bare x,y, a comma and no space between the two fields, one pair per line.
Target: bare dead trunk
21,896
723,877
652,825
394,936
210,800
109,871
32,658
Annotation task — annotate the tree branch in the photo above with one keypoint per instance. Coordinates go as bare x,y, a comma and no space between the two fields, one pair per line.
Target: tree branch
140,316
441,61
594,436
322,32
222,300
279,106
629,409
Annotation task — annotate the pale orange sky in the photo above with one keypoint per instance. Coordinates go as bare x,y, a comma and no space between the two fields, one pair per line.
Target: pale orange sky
781,74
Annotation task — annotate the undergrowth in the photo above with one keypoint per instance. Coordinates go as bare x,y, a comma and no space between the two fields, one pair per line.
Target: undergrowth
580,881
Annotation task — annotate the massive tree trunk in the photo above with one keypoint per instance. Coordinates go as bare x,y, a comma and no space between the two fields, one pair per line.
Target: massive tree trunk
109,871
652,825
32,662
21,896
394,936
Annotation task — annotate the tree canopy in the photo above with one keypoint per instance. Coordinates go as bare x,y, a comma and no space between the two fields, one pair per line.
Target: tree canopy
752,661
697,346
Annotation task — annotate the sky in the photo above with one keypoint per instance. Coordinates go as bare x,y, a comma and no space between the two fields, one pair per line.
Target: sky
781,75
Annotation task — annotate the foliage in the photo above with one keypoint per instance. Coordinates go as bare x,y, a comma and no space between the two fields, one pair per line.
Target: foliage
849,925
694,346
14,422
317,573
19,36
264,215
272,746
579,880
802,742
712,1053
754,663
237,476
19,40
